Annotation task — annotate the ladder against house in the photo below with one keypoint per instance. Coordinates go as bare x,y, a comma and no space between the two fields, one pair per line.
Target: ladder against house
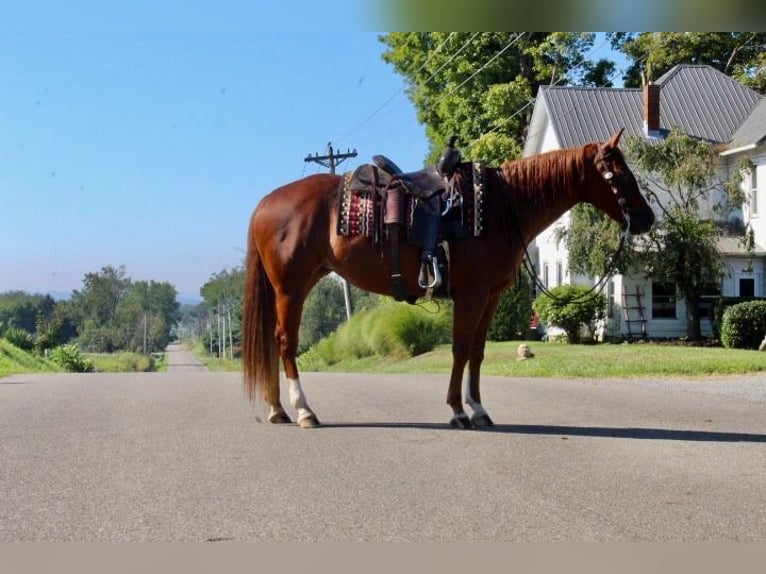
633,313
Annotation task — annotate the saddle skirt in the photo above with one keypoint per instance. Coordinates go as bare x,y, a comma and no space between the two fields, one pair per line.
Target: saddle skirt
366,194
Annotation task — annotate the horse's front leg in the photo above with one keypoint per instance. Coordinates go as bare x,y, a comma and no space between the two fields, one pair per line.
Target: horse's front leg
468,313
480,418
288,323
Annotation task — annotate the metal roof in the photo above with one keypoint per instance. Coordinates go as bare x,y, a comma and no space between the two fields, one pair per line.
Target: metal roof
699,100
753,131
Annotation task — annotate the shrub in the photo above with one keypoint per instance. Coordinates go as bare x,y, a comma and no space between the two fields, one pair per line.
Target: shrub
20,338
391,329
72,359
744,325
570,307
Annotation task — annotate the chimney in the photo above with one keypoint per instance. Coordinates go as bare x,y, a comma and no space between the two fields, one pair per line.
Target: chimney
652,109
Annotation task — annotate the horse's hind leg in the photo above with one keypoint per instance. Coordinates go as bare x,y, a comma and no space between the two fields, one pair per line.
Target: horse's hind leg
289,313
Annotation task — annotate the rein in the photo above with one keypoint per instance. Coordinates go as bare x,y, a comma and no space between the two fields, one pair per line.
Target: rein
599,286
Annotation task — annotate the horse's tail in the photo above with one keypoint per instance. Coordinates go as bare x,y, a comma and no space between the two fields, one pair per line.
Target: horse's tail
260,358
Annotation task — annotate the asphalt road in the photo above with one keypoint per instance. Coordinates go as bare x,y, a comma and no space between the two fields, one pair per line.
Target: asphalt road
179,360
179,456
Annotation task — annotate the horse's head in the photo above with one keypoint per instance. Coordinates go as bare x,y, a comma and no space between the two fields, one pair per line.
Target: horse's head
618,195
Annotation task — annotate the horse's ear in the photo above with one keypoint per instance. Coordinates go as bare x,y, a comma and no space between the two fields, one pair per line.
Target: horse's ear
615,139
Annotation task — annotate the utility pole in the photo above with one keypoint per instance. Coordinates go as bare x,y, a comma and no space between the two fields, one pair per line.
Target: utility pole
331,160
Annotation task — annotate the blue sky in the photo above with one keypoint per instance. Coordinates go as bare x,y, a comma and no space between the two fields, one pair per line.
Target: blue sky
145,136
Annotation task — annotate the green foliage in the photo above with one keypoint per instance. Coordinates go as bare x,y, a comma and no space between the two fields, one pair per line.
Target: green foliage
72,359
14,360
391,329
592,240
511,321
473,85
21,310
124,362
323,311
114,313
19,338
736,54
681,179
570,307
581,361
744,325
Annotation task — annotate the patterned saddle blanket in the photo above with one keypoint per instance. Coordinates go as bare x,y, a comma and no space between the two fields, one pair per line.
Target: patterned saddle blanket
364,204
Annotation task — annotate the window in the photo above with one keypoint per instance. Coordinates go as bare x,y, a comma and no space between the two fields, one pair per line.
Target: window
663,300
710,295
546,275
752,191
747,287
559,273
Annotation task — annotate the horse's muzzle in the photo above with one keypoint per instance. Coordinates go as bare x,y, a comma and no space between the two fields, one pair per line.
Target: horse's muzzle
641,222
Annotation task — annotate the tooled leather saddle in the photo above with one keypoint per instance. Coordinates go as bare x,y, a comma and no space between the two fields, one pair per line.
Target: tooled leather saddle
380,200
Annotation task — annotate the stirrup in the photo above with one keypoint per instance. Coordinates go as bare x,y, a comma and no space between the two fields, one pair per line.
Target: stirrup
433,271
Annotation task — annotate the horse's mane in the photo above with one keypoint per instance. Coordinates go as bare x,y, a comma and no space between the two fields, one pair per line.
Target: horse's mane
540,179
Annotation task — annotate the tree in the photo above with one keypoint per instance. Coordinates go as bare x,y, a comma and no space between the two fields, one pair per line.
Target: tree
479,86
222,296
146,315
741,55
323,312
114,313
95,308
21,310
511,321
681,179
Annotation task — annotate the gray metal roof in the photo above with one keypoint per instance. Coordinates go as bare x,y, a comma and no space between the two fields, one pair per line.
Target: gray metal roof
753,131
699,100
582,115
704,103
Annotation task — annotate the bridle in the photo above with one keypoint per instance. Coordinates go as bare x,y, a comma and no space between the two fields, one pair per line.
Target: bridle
608,176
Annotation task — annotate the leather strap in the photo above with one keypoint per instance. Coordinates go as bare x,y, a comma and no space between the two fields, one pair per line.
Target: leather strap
397,282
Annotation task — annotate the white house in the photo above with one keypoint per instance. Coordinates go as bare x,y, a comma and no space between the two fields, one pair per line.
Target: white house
703,103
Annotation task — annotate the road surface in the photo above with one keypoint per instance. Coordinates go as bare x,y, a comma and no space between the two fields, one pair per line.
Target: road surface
179,360
179,456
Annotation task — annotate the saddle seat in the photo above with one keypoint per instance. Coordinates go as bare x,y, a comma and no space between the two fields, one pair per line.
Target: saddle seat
422,183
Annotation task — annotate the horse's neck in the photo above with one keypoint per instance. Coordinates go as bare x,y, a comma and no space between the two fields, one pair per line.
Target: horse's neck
536,200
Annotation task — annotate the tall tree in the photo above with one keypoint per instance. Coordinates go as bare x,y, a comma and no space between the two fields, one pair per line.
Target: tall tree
222,296
479,86
741,55
95,308
695,200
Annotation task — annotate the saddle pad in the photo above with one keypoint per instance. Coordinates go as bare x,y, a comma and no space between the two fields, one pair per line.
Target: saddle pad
361,211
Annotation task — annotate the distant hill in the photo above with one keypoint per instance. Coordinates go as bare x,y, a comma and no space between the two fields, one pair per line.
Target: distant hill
187,299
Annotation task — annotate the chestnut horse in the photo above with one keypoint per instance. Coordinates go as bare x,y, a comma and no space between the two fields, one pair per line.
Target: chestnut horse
293,242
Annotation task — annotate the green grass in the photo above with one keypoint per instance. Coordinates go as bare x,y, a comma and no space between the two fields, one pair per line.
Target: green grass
14,361
561,360
214,363
551,360
124,362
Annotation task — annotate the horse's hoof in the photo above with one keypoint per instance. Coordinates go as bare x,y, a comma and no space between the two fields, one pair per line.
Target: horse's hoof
280,418
461,422
309,422
482,420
